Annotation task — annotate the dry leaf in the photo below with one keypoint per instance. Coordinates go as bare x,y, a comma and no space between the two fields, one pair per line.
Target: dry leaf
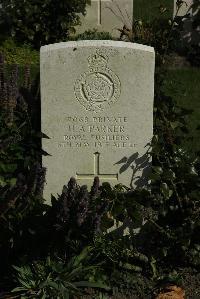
172,292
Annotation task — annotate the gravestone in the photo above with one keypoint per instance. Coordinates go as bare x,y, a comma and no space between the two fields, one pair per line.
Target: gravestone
189,35
97,110
184,9
107,15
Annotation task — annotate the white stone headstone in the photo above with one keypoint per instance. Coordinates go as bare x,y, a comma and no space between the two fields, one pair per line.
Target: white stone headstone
97,110
107,15
184,9
189,35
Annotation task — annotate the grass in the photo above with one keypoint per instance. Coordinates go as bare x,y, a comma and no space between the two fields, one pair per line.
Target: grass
21,55
149,9
183,85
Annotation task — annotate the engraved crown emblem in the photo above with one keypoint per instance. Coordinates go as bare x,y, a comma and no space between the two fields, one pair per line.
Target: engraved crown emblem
99,87
97,60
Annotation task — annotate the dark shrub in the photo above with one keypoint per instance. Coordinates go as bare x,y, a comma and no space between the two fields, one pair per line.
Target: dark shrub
40,22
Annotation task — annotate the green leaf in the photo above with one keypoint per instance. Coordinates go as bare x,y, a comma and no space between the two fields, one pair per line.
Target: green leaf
19,289
13,181
78,259
8,167
74,273
157,169
154,176
175,124
2,182
169,174
166,191
129,266
49,283
153,267
25,284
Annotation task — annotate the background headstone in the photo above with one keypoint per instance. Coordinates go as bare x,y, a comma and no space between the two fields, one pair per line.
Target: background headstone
184,8
97,110
189,34
107,15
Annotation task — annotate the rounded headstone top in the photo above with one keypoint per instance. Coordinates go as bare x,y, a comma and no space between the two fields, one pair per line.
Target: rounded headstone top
97,43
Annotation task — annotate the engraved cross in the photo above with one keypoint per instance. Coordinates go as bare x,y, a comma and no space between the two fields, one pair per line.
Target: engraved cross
96,172
99,9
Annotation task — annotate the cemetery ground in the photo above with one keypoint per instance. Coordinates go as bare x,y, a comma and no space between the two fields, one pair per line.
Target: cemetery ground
64,250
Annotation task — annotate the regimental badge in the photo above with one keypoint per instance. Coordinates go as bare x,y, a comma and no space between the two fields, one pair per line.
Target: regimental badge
99,87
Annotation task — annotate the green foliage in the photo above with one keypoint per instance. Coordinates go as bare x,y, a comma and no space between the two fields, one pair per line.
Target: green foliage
149,10
101,209
21,174
22,55
20,140
93,34
182,85
40,22
162,32
157,34
174,194
56,278
175,190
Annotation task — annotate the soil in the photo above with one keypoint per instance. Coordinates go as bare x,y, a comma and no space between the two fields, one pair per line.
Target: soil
191,283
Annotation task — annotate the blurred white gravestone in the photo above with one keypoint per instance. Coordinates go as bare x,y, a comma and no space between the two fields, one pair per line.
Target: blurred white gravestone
189,34
107,15
184,8
97,110
99,10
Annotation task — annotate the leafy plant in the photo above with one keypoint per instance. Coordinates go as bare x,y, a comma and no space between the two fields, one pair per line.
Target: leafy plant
40,22
77,209
174,193
20,137
56,278
162,32
175,188
93,34
21,174
18,54
149,11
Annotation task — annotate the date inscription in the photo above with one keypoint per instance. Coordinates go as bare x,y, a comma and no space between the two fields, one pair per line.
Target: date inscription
98,132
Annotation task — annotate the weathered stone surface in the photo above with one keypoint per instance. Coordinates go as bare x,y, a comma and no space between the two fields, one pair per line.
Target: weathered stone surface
97,109
107,15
